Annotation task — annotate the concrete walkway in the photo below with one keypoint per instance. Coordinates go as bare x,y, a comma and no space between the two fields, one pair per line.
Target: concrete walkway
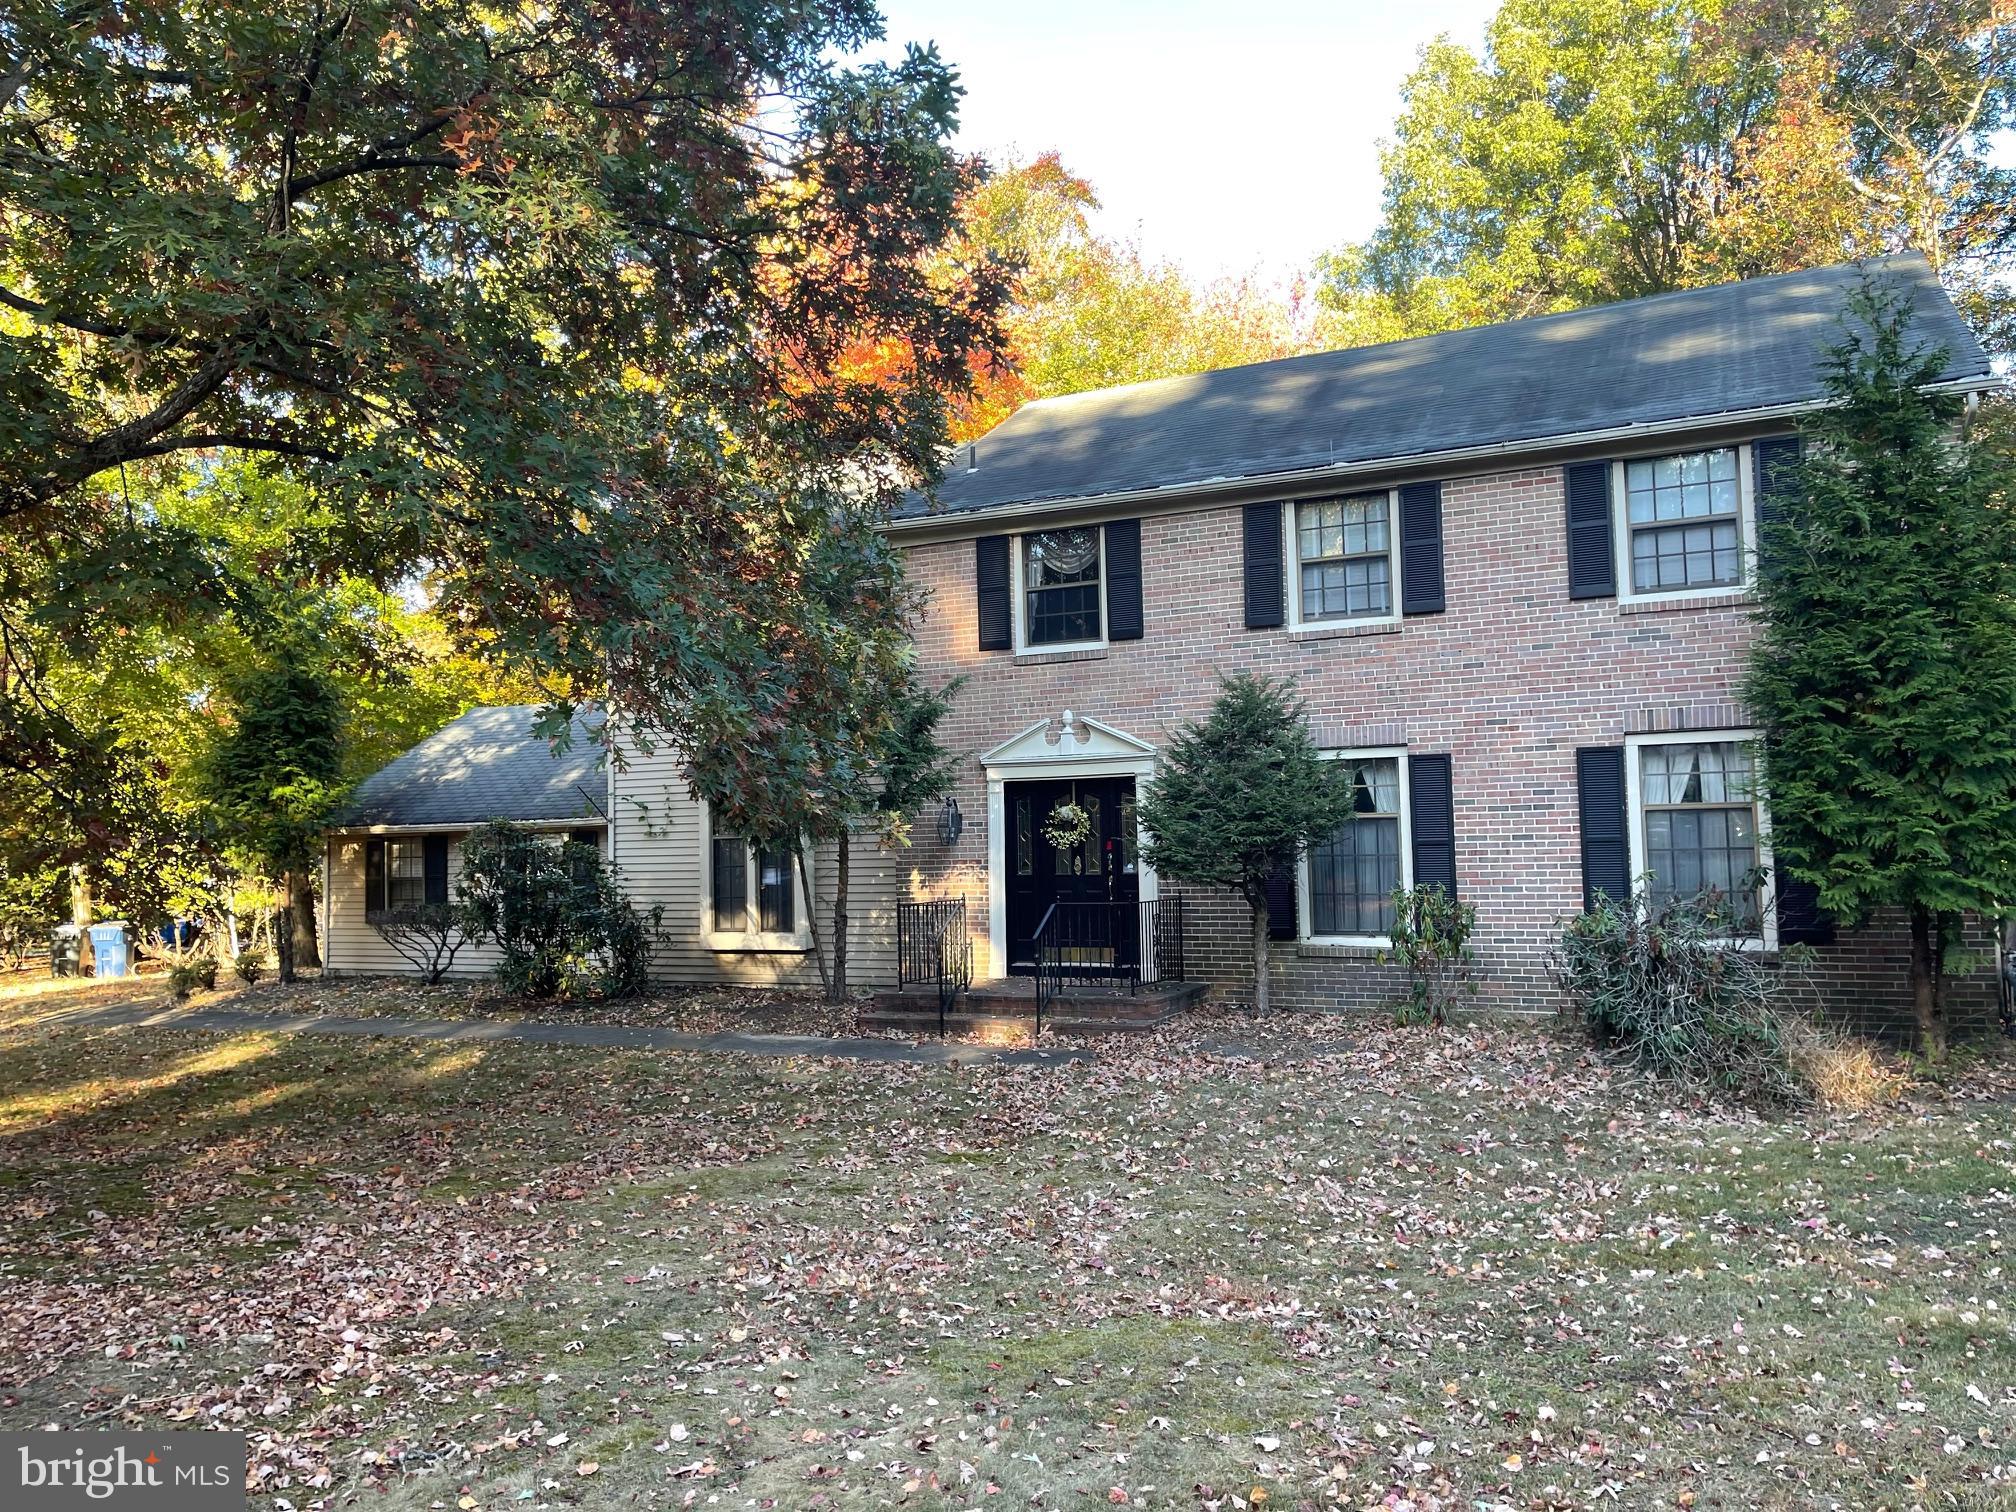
606,1036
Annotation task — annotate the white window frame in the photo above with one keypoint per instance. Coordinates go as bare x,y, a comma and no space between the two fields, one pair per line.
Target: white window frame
418,845
1304,896
1018,547
1634,808
1746,527
747,939
1291,537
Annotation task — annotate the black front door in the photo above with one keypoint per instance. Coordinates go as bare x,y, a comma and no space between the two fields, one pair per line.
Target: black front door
1103,867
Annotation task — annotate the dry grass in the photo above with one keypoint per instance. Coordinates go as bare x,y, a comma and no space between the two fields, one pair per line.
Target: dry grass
1843,1074
1475,1268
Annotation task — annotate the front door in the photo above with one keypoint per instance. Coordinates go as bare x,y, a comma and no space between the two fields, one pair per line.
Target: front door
1102,867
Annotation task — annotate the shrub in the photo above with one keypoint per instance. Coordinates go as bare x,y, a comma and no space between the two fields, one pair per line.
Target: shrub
1431,938
1662,980
190,973
249,965
556,912
427,938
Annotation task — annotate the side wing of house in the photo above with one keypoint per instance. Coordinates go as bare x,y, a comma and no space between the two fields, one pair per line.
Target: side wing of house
737,913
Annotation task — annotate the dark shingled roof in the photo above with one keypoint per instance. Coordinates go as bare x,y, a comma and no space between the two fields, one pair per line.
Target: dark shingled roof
1697,353
489,764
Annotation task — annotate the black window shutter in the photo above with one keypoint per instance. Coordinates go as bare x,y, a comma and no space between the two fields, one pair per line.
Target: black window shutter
1433,816
374,875
1774,465
1606,850
1281,921
1592,561
1264,605
435,864
1801,920
1123,580
990,576
1421,548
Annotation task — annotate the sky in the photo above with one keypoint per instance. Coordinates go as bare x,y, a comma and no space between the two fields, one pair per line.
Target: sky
1232,136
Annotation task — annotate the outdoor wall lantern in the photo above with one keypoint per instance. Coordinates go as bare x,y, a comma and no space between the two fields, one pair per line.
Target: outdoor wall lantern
950,822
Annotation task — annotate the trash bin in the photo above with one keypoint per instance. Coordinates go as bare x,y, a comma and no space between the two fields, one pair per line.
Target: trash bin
108,948
66,948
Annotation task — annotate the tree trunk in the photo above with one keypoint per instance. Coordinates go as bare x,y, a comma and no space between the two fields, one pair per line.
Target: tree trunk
301,891
80,915
836,986
1927,1003
283,932
812,921
1260,1004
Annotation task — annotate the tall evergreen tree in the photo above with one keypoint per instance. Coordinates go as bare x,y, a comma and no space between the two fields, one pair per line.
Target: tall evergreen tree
1240,796
274,776
1885,676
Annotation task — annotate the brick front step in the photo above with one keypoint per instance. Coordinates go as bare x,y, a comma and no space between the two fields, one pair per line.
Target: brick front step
1008,1003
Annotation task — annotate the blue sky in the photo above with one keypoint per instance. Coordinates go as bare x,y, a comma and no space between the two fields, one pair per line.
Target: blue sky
1230,135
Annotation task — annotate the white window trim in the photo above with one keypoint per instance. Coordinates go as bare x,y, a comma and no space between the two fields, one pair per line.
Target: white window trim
797,940
1303,898
1017,549
416,843
1634,808
1292,546
1746,528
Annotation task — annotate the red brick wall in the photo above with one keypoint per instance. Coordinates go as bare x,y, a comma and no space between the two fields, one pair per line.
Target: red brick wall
1510,680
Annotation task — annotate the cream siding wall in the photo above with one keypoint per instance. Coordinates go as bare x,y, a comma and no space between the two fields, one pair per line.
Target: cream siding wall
659,844
351,946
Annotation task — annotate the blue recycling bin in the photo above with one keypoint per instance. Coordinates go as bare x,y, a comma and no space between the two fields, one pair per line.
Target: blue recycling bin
108,949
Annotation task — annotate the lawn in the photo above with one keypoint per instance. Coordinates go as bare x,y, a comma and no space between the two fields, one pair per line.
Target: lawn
1470,1268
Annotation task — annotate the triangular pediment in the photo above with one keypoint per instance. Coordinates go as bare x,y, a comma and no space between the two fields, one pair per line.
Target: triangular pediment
1068,738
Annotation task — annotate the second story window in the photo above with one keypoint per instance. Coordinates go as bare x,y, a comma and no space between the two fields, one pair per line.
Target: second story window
1684,521
1062,587
1344,552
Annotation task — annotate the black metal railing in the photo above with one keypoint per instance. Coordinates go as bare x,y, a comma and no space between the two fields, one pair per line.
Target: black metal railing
1110,945
932,946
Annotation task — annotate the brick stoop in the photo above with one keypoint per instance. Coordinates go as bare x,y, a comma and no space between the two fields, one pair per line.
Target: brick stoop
1007,1005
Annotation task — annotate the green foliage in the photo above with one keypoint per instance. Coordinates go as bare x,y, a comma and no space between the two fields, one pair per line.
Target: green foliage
1091,312
529,297
250,965
1239,796
1661,980
916,768
1885,673
197,972
274,776
1601,149
1431,938
557,912
31,904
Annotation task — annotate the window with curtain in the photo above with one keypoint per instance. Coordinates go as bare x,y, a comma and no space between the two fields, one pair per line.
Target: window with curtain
1060,587
1353,875
1684,515
1700,821
1345,550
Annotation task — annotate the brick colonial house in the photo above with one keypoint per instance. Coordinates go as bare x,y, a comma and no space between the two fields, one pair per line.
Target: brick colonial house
1509,568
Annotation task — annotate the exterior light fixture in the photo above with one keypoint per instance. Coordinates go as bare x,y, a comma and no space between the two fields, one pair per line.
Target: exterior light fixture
950,822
